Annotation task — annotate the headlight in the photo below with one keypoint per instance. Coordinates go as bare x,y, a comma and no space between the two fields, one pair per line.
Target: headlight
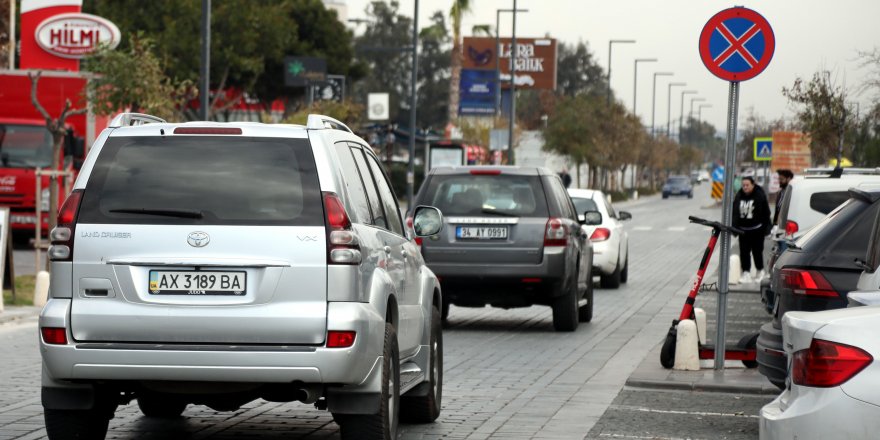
44,200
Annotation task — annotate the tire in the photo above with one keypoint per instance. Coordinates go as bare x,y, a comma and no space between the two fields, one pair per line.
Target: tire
624,274
585,312
444,316
565,310
611,281
381,426
426,409
665,196
690,195
667,353
161,407
750,341
64,424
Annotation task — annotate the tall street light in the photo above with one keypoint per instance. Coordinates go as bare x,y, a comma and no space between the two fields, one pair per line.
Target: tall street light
411,171
206,60
636,78
700,112
654,97
669,104
610,42
681,110
513,53
690,115
498,55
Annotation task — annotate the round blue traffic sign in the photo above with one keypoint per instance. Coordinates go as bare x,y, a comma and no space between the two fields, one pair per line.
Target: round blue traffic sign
737,44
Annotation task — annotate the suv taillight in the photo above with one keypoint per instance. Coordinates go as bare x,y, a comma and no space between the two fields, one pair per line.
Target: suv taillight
807,282
828,364
791,228
62,235
556,234
600,234
342,242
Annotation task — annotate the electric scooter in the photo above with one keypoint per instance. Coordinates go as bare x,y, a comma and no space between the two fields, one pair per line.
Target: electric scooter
743,351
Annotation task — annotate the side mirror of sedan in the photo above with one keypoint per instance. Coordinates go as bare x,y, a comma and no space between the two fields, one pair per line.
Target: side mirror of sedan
623,215
592,218
427,221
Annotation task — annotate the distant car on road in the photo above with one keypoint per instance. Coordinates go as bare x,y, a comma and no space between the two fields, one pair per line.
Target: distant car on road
609,238
512,239
678,186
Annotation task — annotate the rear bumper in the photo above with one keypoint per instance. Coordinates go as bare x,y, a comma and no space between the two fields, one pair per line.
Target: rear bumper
218,363
772,362
552,266
605,257
818,413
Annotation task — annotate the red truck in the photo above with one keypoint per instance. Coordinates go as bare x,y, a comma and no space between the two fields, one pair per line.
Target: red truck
26,144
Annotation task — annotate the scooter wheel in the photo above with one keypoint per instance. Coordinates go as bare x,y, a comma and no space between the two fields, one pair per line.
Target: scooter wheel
667,353
749,342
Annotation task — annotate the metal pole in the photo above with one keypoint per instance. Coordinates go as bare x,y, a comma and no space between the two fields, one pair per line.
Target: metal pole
413,100
206,59
510,143
636,78
12,37
681,111
498,61
654,99
669,105
608,93
726,218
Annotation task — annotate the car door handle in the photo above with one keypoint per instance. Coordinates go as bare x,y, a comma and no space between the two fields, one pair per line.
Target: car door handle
387,250
404,254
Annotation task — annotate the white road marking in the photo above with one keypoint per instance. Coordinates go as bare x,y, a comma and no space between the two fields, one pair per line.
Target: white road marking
695,413
643,228
676,228
643,437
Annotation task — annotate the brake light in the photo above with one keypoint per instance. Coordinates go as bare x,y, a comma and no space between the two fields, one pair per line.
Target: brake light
54,335
556,234
485,172
791,228
600,234
340,339
207,130
409,225
828,364
62,235
342,242
807,282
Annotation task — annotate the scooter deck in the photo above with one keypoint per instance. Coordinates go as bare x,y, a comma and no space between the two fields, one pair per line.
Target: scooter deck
732,353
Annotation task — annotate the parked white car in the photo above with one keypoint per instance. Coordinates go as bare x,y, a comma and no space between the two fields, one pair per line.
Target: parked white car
609,238
832,389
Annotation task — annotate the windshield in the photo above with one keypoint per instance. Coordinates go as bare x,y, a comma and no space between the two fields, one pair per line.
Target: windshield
25,146
466,194
677,180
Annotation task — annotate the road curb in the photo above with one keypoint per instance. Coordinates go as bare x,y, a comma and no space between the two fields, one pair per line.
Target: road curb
706,387
17,314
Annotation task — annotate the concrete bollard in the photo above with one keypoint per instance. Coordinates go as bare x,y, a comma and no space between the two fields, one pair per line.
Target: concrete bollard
735,270
700,318
41,289
687,356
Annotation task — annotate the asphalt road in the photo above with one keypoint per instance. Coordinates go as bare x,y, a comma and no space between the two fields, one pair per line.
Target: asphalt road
508,375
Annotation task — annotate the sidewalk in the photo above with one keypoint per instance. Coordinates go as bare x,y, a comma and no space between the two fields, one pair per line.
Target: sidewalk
19,314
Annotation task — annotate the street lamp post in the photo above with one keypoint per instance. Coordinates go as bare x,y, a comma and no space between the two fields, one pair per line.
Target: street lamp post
654,98
498,55
681,110
206,60
669,104
610,42
636,78
513,53
410,171
690,115
700,112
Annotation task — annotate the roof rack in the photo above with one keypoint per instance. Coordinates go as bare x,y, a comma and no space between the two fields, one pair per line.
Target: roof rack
836,172
319,122
133,119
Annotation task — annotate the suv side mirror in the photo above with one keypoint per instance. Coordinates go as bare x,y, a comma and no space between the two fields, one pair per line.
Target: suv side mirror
427,221
623,215
592,218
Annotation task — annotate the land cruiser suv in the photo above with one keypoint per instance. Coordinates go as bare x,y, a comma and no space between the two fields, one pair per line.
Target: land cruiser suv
218,263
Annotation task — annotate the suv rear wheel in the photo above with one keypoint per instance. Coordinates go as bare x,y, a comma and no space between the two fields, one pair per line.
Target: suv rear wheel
381,426
426,409
585,312
565,309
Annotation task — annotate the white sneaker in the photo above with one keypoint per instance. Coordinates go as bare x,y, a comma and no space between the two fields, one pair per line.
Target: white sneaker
761,275
746,278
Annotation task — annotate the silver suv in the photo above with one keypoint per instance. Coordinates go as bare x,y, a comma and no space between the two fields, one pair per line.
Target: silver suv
215,264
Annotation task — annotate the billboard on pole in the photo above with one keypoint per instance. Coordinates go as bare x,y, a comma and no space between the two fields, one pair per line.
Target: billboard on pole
535,60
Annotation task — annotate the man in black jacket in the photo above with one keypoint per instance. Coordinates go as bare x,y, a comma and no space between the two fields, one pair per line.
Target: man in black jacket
751,213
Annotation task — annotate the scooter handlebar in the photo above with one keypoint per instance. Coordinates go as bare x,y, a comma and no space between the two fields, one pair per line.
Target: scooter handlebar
715,225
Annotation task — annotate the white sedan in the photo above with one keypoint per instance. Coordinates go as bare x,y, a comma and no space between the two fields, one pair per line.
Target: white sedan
833,388
610,240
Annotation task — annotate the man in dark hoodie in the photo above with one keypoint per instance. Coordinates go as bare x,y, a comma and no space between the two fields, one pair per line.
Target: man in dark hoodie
751,213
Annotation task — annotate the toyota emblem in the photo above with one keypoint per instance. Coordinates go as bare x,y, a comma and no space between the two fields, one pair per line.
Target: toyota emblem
198,239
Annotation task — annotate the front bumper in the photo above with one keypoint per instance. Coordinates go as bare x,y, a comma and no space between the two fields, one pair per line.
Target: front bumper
818,413
772,362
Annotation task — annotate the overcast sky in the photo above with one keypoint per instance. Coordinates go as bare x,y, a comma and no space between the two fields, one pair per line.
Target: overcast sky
811,35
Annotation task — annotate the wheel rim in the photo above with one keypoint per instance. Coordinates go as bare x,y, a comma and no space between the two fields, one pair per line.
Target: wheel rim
435,368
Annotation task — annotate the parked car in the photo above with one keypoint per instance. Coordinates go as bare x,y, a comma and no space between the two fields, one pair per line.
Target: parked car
832,392
677,186
218,263
513,240
808,199
816,272
609,238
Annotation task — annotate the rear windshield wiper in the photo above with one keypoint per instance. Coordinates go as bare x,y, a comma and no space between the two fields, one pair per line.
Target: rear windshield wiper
168,212
497,212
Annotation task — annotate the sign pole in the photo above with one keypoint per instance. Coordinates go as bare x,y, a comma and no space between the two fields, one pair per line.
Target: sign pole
727,219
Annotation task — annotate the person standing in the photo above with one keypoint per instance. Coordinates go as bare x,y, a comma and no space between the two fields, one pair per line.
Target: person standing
751,214
785,177
566,178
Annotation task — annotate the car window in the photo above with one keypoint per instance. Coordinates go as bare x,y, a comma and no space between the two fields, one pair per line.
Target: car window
854,241
386,194
563,199
376,206
357,196
222,180
610,209
825,202
816,233
582,205
677,180
469,195
786,202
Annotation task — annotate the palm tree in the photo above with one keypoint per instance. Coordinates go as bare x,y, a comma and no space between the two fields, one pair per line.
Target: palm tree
459,7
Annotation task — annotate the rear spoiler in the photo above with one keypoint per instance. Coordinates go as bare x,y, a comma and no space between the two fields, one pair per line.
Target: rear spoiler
865,196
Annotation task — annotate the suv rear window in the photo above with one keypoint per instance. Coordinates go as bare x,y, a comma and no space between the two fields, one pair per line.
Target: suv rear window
466,194
825,202
227,180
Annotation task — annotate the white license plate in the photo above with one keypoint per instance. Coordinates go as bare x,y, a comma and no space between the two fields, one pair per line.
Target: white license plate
481,232
197,282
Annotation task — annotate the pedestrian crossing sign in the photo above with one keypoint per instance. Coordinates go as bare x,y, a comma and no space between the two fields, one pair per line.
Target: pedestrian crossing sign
763,148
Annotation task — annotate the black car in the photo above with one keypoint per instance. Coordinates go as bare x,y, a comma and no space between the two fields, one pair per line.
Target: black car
678,186
816,272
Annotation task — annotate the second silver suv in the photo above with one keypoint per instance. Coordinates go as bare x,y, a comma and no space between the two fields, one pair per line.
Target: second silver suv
216,264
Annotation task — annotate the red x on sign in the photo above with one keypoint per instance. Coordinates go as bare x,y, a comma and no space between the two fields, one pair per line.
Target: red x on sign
737,44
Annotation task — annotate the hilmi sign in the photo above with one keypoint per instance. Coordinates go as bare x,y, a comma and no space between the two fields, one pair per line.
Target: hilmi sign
76,35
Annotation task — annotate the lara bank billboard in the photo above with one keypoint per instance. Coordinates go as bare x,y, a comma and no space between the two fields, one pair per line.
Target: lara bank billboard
535,60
